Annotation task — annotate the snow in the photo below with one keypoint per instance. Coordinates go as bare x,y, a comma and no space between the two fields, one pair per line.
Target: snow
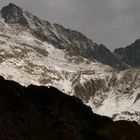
23,63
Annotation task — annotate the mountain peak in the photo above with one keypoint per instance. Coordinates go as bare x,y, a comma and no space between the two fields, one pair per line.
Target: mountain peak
13,14
12,5
137,41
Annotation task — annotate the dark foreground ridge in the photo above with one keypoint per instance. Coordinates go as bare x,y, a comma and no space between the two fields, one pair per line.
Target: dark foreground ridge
41,113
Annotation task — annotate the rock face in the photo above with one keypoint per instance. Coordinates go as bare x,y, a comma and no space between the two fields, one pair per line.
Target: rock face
130,54
51,55
115,95
13,14
43,30
77,44
34,113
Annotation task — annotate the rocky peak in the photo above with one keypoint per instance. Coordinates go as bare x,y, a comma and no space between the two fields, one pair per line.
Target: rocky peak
130,54
39,28
137,42
82,46
74,43
13,14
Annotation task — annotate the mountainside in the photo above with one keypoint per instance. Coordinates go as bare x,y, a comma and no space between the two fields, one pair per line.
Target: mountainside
79,45
73,42
34,113
34,51
130,55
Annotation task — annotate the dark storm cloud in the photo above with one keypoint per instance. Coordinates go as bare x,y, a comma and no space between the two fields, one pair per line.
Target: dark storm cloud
114,23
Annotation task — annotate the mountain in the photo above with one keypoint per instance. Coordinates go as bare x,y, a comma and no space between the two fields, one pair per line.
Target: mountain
34,113
34,51
130,54
73,42
82,46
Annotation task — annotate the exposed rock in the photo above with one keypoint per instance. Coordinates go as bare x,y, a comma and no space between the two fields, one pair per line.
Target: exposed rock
130,54
76,43
14,14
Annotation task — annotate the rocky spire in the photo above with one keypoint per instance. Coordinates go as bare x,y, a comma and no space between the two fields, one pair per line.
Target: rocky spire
13,14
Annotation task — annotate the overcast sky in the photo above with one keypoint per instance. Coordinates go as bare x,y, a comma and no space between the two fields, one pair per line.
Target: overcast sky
115,23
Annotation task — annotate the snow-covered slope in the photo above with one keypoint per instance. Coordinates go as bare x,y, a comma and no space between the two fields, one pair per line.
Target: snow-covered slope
31,61
40,54
121,96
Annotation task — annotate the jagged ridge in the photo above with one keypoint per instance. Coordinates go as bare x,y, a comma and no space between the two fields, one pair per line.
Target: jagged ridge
73,42
130,54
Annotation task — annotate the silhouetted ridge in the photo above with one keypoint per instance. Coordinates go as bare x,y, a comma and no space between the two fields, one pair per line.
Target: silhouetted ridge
40,113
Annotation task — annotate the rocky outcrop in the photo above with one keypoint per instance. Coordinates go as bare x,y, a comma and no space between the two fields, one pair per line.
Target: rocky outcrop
76,43
14,14
130,54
